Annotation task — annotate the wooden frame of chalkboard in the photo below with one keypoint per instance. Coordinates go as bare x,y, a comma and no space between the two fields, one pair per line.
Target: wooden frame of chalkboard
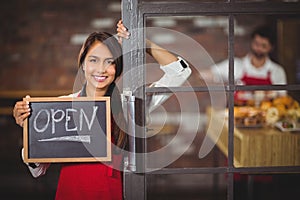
67,129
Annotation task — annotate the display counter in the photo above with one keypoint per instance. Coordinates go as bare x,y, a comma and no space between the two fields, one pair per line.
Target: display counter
256,147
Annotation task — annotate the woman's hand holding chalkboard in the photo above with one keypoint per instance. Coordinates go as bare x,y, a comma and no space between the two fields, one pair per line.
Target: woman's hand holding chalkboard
21,111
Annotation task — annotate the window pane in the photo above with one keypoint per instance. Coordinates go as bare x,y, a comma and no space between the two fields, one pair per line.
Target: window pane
265,135
187,187
200,40
267,186
183,131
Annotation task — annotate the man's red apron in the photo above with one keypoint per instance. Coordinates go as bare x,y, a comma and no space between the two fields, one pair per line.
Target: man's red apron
241,97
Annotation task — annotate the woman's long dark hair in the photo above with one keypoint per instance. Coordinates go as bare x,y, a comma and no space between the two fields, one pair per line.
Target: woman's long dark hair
120,138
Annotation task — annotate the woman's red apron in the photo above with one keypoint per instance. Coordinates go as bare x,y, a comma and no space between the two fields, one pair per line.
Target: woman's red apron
91,181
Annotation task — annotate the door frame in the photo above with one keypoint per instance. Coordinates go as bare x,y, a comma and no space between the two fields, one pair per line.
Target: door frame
134,14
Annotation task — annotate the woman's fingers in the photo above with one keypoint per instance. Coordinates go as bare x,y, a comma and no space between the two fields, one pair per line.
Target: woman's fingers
22,118
19,108
122,30
21,111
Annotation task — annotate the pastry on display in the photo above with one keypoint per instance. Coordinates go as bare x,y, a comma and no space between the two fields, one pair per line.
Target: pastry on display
247,116
268,112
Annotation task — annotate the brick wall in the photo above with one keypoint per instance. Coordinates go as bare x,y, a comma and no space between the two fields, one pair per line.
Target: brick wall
36,52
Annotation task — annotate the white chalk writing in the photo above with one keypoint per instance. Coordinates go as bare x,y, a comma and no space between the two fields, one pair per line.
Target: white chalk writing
55,116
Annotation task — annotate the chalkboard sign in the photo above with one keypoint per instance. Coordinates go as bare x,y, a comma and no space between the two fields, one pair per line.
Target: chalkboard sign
67,130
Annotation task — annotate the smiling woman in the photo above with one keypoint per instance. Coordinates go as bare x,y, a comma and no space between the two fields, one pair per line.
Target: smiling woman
99,69
100,60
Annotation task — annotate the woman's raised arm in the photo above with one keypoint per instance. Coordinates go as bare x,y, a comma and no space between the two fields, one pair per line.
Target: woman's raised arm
161,55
